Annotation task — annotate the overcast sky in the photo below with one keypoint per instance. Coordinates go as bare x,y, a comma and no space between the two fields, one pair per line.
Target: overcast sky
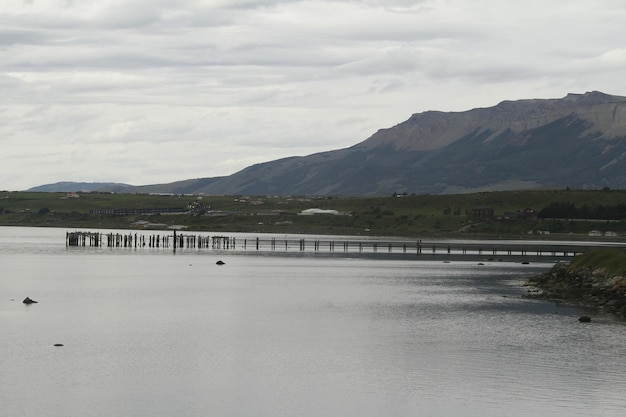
155,91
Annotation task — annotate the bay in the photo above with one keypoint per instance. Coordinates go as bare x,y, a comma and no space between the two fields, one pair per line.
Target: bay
150,332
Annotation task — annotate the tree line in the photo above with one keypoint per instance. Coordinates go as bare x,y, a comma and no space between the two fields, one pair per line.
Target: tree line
565,210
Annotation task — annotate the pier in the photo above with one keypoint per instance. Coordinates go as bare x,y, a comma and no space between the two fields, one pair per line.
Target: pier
506,250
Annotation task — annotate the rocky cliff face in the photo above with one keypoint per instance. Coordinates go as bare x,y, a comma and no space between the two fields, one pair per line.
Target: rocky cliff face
603,114
578,141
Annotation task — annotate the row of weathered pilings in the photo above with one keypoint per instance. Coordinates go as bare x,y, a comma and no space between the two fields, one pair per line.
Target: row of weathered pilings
134,240
508,250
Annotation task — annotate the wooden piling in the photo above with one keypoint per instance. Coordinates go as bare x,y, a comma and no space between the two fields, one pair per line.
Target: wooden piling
183,241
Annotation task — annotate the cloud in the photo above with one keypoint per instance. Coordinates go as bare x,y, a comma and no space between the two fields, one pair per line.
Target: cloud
151,91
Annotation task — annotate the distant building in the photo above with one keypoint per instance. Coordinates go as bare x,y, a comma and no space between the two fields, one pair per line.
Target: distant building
144,224
219,213
528,213
313,211
270,213
482,213
595,233
509,215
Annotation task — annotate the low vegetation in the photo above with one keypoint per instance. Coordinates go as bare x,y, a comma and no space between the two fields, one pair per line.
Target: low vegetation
613,261
527,214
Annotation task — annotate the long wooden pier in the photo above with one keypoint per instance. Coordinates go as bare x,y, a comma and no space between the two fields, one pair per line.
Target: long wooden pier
334,246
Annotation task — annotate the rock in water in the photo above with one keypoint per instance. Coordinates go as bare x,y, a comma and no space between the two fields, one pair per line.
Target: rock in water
584,319
28,300
219,263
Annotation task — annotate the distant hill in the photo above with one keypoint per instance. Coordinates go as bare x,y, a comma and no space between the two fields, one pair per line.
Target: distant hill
69,187
578,141
178,187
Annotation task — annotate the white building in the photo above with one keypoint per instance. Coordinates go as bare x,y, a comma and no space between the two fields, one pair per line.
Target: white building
312,211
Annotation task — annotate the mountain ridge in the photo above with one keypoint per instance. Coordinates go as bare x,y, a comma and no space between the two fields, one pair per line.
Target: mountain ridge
577,141
440,129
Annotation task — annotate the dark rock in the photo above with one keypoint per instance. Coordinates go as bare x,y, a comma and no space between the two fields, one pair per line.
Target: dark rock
584,319
219,263
28,300
58,344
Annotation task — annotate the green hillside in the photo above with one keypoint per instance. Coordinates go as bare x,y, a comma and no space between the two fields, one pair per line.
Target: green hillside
515,213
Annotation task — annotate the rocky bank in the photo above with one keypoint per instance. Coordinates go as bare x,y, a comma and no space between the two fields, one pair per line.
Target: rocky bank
595,289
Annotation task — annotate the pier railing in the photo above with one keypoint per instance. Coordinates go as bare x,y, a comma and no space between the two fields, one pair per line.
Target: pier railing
352,246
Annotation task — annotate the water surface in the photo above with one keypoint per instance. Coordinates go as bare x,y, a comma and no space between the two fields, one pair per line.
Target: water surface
148,332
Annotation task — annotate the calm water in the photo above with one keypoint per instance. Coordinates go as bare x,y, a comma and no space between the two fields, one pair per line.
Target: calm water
152,333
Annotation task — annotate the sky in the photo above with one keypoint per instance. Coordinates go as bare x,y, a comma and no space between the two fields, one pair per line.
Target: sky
155,91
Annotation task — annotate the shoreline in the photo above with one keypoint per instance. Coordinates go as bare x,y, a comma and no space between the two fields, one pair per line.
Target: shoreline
596,290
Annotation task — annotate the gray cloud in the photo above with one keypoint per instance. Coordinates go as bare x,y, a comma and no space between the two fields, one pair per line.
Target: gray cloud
208,87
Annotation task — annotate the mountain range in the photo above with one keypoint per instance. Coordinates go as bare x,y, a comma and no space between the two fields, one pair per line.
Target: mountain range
578,141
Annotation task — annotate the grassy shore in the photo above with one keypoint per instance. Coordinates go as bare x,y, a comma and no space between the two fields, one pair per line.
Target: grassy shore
595,280
411,216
